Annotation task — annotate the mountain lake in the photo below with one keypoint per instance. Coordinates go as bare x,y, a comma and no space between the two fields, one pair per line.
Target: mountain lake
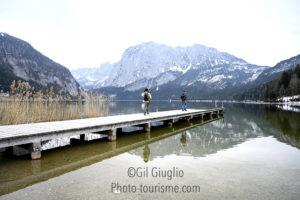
252,152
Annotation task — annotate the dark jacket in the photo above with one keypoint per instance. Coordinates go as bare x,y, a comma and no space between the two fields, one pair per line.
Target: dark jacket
183,97
146,96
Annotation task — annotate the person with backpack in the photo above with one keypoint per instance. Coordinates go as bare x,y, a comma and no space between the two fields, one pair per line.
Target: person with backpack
146,99
183,98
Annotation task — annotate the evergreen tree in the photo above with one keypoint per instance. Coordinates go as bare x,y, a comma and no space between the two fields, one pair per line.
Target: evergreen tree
297,70
285,79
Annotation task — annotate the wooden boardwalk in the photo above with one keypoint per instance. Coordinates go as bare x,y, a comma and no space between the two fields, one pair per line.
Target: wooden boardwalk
31,135
86,157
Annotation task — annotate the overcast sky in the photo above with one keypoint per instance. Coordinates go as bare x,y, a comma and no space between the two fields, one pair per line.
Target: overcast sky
86,33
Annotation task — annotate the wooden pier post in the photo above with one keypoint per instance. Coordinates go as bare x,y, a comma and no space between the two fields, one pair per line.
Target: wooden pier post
119,130
214,114
201,117
221,112
112,135
147,127
189,118
35,150
82,137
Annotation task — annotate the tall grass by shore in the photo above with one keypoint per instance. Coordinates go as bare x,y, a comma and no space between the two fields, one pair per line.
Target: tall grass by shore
20,112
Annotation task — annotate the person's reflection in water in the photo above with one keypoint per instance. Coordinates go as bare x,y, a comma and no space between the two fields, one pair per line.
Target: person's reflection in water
183,139
146,153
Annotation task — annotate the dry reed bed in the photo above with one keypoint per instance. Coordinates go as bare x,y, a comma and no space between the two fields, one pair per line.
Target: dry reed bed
20,112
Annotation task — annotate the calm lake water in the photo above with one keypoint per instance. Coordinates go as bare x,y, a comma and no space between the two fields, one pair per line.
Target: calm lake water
251,153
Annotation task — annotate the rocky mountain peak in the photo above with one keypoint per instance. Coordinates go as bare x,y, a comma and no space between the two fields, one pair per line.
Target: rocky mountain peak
154,65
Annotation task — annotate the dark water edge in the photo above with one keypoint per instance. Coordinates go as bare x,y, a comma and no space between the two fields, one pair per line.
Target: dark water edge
241,123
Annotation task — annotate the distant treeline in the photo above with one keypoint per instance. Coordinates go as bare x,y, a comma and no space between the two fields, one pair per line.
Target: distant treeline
286,84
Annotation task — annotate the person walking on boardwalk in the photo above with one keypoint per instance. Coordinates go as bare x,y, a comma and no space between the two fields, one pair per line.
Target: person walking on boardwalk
183,98
146,99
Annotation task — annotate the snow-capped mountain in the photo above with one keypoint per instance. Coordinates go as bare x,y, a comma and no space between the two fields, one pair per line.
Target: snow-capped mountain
90,77
154,65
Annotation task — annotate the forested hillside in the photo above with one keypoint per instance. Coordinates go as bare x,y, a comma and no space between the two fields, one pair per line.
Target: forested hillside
286,84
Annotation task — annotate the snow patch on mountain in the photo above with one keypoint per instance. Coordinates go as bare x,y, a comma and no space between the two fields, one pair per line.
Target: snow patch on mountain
180,69
216,78
90,78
